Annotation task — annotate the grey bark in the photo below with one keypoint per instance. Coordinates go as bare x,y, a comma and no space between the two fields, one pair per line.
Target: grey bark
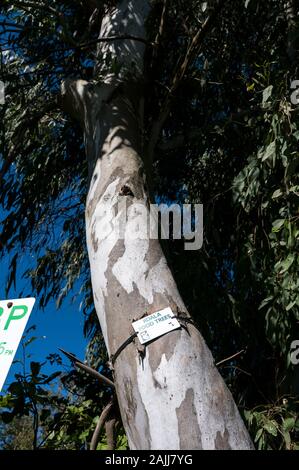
173,397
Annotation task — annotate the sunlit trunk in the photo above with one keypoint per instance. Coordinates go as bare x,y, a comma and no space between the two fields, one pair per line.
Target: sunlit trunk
170,395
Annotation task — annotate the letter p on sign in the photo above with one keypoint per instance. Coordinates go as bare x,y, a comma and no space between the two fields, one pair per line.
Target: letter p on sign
14,315
23,309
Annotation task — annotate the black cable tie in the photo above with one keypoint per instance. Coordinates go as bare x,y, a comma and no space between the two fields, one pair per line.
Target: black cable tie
114,356
128,341
185,319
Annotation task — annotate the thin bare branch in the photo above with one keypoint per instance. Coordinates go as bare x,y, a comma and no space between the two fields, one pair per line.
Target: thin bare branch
103,418
193,49
87,368
162,21
230,357
110,433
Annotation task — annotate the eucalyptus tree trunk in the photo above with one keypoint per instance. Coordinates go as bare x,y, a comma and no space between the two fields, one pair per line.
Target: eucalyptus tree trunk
170,395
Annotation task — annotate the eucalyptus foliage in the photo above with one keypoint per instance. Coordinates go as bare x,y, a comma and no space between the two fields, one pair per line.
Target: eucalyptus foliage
230,142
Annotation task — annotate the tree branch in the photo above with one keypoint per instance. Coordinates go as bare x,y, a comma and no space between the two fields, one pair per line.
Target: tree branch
103,418
20,133
94,4
94,373
230,357
5,31
184,137
14,25
110,433
73,93
193,49
126,37
161,26
87,368
38,6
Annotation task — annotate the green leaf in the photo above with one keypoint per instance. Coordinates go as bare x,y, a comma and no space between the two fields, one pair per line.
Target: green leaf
261,443
271,427
267,93
288,424
276,194
290,305
258,434
122,443
270,151
287,439
30,340
12,276
277,225
287,263
84,435
5,401
265,302
51,436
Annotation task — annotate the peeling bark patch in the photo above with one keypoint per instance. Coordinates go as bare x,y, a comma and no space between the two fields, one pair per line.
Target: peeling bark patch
164,345
154,254
101,239
128,18
99,186
222,440
157,384
94,241
132,270
195,393
131,411
188,423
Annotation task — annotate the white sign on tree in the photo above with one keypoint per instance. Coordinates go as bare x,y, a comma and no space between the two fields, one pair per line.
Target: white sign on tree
155,325
14,315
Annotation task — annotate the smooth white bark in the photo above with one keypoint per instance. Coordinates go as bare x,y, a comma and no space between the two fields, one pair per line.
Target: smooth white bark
173,397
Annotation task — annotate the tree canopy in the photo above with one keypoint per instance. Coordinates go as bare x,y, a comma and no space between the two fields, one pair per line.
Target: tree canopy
229,140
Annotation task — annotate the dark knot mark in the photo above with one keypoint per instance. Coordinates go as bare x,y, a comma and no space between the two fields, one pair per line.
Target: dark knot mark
126,191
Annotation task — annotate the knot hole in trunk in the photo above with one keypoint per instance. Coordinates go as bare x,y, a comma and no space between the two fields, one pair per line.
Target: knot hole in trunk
126,191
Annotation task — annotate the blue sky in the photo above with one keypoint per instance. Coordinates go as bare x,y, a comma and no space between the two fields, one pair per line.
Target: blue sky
55,329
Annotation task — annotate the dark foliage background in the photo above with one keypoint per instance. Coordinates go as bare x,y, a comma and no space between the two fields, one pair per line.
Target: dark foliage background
230,142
